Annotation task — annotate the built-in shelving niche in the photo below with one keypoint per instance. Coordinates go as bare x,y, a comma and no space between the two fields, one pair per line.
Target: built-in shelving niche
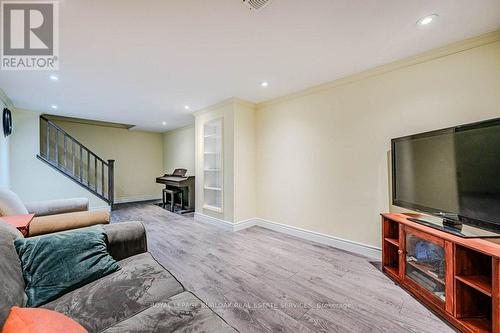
473,277
391,247
213,186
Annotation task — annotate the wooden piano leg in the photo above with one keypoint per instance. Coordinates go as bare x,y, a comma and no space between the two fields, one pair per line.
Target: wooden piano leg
188,195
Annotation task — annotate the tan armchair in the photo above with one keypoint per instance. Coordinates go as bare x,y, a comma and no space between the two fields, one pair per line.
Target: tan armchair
52,215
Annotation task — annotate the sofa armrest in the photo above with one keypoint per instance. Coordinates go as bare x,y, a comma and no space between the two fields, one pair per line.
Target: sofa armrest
53,223
126,239
52,207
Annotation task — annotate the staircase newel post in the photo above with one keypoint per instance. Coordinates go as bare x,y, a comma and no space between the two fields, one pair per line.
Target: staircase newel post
111,182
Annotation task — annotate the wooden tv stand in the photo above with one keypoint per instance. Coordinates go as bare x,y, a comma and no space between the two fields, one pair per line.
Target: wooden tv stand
458,278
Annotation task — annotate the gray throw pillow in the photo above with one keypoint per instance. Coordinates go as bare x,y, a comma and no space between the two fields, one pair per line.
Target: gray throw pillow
58,263
11,275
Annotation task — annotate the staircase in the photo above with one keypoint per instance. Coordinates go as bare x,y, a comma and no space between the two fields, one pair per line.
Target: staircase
71,158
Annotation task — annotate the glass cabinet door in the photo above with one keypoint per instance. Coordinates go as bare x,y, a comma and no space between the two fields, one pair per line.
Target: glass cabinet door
426,265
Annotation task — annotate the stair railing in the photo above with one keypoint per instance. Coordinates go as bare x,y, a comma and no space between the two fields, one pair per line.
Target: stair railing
70,157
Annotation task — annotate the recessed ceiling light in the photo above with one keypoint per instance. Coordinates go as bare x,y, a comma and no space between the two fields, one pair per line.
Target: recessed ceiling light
53,106
427,19
264,84
186,107
164,123
54,77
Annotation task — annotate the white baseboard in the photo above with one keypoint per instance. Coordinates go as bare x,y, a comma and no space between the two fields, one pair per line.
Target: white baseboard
137,199
245,224
214,221
339,243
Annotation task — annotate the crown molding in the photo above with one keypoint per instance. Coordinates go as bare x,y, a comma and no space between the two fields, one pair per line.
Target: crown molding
226,102
437,53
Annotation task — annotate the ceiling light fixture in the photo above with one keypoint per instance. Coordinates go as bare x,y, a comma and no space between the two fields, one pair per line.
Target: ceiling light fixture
54,77
164,123
53,106
426,20
264,84
186,107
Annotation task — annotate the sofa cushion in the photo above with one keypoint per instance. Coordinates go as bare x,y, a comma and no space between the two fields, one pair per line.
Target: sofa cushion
126,239
11,275
60,206
53,223
33,320
11,204
139,283
58,263
181,313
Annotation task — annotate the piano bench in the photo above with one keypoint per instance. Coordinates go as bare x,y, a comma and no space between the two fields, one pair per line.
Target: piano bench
171,193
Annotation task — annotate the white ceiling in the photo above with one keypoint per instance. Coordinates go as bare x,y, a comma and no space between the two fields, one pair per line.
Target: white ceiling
140,62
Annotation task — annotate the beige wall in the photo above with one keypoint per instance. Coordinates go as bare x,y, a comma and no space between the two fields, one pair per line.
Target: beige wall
138,157
32,179
245,204
322,154
178,150
316,160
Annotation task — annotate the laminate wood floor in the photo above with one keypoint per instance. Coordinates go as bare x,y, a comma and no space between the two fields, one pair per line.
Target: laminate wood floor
264,281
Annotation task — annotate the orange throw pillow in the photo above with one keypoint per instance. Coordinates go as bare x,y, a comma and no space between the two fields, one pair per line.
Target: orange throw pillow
36,320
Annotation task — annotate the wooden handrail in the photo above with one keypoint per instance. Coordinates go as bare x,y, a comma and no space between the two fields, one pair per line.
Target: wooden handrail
76,156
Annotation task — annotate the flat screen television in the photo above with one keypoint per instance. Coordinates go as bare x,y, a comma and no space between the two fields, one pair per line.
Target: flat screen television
452,174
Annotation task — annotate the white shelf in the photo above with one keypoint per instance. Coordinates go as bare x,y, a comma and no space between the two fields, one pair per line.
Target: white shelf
213,208
212,136
212,166
212,188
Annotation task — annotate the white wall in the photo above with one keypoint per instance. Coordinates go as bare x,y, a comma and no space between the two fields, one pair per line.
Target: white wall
178,150
322,154
32,179
4,154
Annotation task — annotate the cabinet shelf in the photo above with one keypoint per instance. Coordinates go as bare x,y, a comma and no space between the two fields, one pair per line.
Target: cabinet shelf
479,325
392,241
479,282
425,270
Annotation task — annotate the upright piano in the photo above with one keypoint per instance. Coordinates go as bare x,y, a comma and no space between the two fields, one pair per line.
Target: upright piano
186,184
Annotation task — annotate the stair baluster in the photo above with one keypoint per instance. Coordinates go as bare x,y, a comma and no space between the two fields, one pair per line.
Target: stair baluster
72,157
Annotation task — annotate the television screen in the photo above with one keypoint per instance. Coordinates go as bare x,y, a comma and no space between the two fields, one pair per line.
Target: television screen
454,171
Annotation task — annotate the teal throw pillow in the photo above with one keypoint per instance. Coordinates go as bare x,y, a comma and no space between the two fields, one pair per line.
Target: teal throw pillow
56,264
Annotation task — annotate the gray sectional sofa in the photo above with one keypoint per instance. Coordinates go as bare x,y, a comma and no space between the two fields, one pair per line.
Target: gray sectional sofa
141,297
